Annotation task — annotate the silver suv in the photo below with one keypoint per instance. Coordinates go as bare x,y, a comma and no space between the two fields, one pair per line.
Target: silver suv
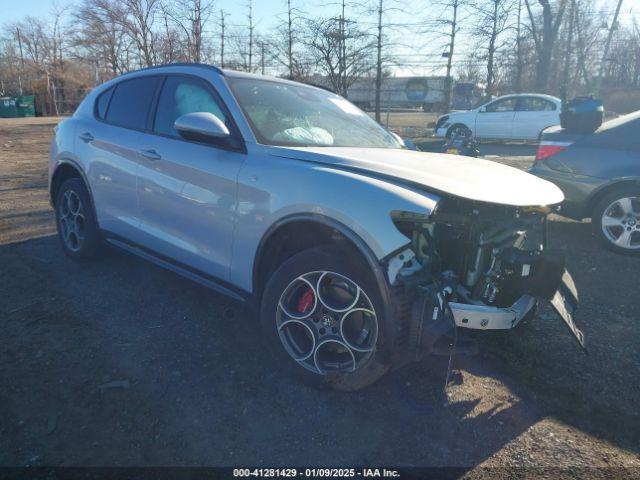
358,254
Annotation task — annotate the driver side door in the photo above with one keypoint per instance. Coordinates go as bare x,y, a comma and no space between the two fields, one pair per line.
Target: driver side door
495,120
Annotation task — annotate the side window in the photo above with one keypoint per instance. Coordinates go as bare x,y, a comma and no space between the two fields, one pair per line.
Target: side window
506,105
131,101
534,104
182,95
102,102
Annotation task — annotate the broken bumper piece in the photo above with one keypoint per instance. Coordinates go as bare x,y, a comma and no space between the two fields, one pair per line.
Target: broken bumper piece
484,317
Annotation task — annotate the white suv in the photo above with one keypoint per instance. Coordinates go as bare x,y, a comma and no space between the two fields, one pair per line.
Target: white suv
357,253
512,117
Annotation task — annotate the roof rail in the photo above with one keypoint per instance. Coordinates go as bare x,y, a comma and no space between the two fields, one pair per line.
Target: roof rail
179,64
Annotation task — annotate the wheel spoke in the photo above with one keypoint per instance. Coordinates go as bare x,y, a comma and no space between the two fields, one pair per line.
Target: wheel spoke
78,225
326,322
339,285
299,328
608,221
364,338
626,206
624,240
325,355
298,295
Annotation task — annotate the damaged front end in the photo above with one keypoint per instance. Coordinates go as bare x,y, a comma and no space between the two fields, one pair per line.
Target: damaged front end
478,266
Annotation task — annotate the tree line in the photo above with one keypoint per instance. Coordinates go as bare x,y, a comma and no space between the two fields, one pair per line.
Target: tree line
547,46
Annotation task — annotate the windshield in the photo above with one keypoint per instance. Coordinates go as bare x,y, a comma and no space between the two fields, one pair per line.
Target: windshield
290,115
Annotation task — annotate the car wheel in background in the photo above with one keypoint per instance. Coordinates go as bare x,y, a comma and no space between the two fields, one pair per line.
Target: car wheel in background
76,224
322,316
616,220
457,129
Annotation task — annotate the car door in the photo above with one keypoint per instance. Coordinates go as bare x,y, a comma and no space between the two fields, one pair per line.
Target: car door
109,144
533,114
187,190
495,120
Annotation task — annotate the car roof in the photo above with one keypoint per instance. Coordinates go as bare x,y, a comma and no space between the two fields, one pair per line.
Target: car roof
224,72
539,95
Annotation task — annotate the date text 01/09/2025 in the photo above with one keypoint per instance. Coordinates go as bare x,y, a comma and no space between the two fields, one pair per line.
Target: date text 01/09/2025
316,472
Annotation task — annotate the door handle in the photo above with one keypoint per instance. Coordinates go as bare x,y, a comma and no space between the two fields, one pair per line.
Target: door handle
86,137
150,154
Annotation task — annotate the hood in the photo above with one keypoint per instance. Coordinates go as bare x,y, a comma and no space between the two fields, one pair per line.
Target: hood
465,177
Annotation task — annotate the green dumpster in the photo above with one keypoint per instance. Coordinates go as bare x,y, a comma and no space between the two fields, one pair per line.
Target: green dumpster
24,106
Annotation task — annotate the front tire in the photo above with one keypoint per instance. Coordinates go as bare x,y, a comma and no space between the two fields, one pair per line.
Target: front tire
77,227
616,220
322,317
458,128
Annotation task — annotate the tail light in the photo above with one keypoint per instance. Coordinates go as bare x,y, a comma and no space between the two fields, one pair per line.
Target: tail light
549,149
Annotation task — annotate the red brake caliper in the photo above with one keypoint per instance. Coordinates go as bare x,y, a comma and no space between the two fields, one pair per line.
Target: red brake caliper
306,301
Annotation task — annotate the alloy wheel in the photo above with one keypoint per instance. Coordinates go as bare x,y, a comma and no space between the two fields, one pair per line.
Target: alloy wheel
326,322
71,219
621,223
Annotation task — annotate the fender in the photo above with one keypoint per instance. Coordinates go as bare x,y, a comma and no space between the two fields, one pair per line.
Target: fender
76,166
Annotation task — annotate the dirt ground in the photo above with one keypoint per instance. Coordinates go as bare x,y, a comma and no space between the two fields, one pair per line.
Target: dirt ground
117,362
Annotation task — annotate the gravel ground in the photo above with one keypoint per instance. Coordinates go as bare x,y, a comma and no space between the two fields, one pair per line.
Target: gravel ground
117,362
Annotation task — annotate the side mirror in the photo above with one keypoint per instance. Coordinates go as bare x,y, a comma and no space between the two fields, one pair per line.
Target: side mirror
201,126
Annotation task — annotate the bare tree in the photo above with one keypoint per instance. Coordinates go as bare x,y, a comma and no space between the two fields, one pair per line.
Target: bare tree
341,55
98,37
137,18
544,37
492,21
449,21
190,17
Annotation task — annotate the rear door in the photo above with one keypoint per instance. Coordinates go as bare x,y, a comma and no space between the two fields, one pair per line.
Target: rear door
533,114
495,120
186,189
110,143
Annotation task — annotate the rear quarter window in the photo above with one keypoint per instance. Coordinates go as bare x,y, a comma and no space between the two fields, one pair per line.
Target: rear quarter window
102,102
131,101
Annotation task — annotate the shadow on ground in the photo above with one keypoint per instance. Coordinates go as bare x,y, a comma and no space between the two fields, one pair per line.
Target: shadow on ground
597,393
117,362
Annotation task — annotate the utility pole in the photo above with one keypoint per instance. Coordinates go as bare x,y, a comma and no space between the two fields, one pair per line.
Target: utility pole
250,34
262,58
343,51
290,42
21,60
222,39
449,86
564,90
606,48
518,50
379,63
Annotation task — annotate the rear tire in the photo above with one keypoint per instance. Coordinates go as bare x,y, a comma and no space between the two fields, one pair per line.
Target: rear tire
77,227
616,220
323,319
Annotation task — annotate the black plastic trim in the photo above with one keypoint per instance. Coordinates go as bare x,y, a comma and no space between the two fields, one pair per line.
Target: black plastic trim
181,269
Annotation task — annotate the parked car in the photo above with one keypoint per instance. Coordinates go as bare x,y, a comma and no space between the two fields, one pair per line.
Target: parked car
599,174
357,254
512,117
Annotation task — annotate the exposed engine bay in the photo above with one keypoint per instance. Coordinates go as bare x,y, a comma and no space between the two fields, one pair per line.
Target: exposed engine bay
479,266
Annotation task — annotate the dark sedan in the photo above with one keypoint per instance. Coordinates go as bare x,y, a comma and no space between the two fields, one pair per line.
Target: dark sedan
599,174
